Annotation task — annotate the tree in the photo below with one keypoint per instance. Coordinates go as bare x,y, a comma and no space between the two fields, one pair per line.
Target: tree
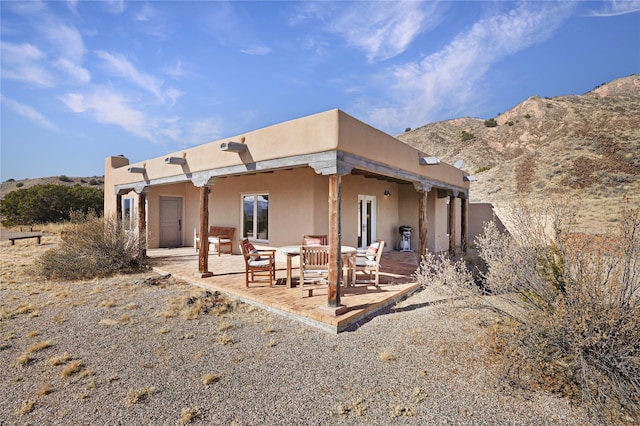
49,203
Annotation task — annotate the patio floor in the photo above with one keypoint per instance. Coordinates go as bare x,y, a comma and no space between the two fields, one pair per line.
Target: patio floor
359,302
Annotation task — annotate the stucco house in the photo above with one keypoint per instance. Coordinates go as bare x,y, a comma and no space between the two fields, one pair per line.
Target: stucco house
326,173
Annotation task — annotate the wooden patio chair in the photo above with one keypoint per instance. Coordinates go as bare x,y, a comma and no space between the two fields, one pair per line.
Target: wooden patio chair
221,236
260,265
314,266
314,240
369,262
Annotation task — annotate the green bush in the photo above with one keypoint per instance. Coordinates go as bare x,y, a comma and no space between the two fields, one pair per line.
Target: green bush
49,203
93,247
64,178
482,169
491,122
465,136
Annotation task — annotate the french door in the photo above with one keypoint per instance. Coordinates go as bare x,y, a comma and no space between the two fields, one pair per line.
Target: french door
366,220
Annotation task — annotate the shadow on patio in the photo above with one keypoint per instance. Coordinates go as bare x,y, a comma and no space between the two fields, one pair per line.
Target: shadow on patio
360,301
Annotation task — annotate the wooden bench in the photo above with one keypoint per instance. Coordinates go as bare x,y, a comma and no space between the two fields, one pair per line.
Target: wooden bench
22,237
219,236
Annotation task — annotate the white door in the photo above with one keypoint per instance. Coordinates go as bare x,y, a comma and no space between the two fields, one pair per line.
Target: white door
170,221
366,220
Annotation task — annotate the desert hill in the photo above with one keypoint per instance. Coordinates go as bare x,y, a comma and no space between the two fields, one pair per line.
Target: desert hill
13,184
586,147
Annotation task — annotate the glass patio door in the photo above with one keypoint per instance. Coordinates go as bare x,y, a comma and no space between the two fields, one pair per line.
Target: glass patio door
366,220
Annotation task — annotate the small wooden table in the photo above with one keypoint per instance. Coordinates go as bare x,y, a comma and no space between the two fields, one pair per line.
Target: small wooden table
348,257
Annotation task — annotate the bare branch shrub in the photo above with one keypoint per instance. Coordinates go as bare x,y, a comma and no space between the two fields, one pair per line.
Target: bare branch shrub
92,247
451,276
576,299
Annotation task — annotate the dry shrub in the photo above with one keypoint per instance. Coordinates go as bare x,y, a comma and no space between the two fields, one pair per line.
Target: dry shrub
209,379
138,395
187,415
93,247
72,368
574,307
451,276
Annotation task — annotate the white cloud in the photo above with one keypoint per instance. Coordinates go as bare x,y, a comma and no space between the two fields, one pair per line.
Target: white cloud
256,50
618,7
455,72
121,67
66,40
28,112
53,39
116,6
79,74
382,29
25,62
109,107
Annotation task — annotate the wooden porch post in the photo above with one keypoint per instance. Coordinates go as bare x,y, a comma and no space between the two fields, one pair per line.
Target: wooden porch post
423,190
142,220
422,224
334,240
452,225
118,207
203,252
463,222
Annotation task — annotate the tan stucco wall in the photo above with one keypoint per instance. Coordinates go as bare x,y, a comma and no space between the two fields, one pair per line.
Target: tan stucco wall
326,131
298,205
298,198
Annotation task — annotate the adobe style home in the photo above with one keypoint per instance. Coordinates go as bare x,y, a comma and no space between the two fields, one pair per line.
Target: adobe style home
326,173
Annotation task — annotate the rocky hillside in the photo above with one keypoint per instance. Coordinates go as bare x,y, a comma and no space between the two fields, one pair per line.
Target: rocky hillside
13,184
586,147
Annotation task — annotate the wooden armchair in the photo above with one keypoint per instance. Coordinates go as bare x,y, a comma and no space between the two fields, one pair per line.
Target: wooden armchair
260,265
369,262
314,240
314,266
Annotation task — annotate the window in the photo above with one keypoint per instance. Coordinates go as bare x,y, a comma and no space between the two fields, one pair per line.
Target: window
255,216
128,211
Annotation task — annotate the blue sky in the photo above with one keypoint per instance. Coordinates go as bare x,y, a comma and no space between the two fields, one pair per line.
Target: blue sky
82,80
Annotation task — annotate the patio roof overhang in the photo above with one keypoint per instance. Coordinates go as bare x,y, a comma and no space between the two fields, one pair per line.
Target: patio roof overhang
325,163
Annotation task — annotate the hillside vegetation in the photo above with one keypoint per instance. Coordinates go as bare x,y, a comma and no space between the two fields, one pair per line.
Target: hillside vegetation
579,146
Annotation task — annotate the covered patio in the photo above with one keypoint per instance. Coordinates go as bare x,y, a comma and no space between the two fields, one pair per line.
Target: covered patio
360,302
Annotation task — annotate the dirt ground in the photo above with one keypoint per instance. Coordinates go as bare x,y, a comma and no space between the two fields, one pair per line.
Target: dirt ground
146,349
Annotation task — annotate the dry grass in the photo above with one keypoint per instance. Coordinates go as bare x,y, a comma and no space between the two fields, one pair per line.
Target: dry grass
40,346
188,415
387,356
24,359
223,339
26,407
59,360
6,313
209,379
45,389
135,396
72,368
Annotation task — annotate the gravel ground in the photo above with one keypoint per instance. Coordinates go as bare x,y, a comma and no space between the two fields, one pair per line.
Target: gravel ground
140,350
